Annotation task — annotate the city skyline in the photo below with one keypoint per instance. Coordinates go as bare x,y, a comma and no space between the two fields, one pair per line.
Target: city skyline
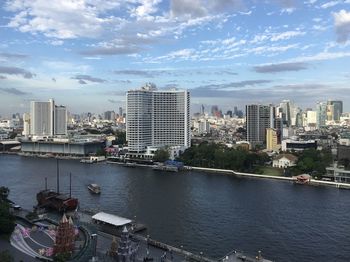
229,53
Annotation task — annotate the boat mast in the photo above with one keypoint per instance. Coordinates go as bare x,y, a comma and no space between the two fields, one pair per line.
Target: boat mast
70,185
58,178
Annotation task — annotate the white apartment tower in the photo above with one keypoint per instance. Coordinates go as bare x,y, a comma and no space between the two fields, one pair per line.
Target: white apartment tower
157,118
42,118
46,119
60,116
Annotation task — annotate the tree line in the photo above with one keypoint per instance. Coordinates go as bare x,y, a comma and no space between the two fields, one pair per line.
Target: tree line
213,155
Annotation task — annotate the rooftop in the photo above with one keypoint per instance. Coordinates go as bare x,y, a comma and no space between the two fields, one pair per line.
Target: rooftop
111,219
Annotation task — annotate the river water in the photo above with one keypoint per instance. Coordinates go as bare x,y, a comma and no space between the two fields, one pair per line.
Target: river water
207,213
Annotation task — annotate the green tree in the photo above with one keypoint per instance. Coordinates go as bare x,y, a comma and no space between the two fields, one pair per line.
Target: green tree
161,155
219,156
7,220
5,256
4,192
313,161
120,138
101,152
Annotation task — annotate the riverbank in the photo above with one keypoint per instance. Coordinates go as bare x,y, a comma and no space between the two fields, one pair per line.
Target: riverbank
312,182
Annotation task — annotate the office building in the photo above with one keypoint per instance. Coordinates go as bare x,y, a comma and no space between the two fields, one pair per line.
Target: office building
336,109
109,115
285,112
258,119
321,109
157,118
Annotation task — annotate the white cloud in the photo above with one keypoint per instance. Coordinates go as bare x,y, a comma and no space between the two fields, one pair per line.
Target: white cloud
330,4
200,8
285,35
62,19
320,57
342,25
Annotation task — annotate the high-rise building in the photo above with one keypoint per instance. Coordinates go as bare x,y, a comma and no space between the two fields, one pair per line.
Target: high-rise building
157,118
285,109
330,112
311,117
258,119
271,139
214,110
42,118
60,116
202,112
46,119
321,109
109,115
26,124
337,109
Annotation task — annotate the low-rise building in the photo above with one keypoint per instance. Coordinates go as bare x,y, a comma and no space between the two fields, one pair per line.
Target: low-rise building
62,148
298,145
339,174
284,161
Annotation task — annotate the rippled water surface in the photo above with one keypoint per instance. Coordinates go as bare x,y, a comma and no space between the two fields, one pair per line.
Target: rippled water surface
202,212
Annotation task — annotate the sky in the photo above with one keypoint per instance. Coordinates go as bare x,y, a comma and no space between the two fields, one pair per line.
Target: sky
87,53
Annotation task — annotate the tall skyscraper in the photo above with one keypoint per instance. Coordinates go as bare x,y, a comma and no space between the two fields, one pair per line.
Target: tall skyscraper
109,115
321,109
157,118
60,117
258,119
285,109
202,110
42,118
337,107
46,119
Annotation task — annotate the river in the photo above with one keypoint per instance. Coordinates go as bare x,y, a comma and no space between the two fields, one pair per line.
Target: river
207,213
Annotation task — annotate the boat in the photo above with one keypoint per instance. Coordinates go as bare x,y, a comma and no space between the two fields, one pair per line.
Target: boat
166,168
55,200
94,188
93,159
302,179
129,164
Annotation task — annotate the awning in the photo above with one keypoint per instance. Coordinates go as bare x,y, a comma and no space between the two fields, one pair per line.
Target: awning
111,219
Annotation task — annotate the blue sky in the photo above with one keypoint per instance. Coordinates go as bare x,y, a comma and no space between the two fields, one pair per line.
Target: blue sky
87,53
